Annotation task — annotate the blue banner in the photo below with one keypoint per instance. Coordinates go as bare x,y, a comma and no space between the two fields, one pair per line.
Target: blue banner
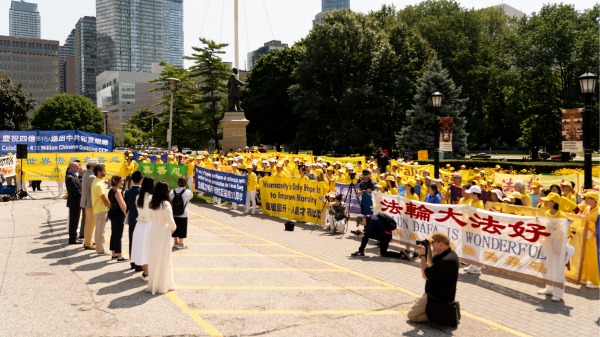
55,141
349,197
227,186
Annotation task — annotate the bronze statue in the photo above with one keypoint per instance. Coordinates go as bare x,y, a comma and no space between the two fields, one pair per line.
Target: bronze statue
234,86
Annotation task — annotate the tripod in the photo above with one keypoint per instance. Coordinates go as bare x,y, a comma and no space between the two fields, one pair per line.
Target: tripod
348,196
318,215
21,193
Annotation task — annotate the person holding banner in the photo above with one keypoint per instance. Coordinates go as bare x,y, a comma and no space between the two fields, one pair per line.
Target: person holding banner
433,196
552,201
590,274
409,187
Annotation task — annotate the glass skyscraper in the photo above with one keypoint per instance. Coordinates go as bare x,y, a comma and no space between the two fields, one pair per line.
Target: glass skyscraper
131,34
330,5
24,19
85,57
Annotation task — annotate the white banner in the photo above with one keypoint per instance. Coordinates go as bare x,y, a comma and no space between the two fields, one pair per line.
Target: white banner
8,166
530,247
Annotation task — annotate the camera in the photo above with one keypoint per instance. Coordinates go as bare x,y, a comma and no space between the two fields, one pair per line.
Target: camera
352,175
423,243
357,232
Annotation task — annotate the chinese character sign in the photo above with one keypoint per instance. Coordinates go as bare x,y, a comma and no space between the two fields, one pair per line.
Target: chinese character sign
349,196
8,166
55,141
533,247
228,186
53,166
292,198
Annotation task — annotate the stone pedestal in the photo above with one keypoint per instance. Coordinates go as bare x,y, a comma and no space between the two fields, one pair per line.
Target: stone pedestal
234,125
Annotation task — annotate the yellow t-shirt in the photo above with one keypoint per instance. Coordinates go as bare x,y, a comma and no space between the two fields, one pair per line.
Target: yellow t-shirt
463,201
252,184
190,169
393,191
412,197
145,161
556,215
98,189
477,204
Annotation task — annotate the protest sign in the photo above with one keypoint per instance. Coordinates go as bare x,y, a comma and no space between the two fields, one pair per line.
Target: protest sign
292,198
227,186
8,166
530,247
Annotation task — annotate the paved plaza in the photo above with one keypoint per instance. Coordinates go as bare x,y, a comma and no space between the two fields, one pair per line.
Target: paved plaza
245,276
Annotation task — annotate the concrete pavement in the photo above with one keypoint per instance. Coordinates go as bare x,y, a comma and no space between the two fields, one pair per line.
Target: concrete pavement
244,276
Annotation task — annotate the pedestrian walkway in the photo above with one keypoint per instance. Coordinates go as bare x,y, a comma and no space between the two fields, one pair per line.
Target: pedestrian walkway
243,275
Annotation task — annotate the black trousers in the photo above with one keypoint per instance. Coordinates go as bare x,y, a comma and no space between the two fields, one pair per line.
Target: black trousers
82,226
74,213
384,243
116,228
132,224
36,184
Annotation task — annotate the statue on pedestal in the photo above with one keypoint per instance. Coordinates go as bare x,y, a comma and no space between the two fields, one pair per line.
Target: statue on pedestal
234,86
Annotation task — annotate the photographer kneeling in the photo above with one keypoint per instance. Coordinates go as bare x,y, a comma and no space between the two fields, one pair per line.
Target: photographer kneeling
441,274
375,229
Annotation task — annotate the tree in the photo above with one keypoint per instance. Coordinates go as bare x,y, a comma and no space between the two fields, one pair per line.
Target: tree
140,126
266,99
211,74
418,132
336,99
14,105
68,112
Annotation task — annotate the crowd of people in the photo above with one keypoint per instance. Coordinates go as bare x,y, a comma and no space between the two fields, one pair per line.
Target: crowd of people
154,213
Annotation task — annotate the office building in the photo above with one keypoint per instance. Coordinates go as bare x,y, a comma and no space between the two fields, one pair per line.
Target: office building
510,11
33,63
24,20
267,47
132,34
122,93
85,57
331,5
67,64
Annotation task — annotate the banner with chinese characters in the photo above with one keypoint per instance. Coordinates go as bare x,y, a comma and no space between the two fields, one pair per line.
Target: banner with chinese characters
168,173
292,198
572,130
508,180
53,166
349,196
446,134
529,247
55,141
8,166
227,186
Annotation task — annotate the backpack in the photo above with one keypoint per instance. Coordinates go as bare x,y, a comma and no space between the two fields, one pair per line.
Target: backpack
178,204
389,224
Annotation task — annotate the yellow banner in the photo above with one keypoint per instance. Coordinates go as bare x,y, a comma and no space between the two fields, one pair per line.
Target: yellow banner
292,198
513,209
53,166
343,160
545,180
423,155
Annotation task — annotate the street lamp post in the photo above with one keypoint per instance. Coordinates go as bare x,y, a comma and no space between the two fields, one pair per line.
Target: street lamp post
172,82
587,83
105,121
436,102
123,125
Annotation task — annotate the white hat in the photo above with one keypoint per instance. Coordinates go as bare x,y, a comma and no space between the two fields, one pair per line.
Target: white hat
474,189
348,166
272,160
296,159
341,171
254,162
319,159
498,194
264,162
307,164
234,165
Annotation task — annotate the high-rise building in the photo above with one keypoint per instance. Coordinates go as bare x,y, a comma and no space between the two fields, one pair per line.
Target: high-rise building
33,63
67,64
510,11
267,47
132,34
85,57
24,19
331,5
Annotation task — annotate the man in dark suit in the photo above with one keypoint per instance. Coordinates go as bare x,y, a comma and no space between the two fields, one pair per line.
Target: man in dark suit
234,86
132,212
73,201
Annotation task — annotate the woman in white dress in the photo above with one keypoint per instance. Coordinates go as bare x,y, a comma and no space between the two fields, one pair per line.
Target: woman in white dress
163,225
139,245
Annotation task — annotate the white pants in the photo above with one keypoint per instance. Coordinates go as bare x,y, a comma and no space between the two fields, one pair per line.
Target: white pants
190,182
233,206
61,188
250,198
337,225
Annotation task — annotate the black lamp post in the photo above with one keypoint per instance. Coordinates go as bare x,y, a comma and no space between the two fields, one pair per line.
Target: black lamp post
436,102
587,83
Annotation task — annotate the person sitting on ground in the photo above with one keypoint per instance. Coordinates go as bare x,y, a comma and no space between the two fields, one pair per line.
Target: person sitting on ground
337,214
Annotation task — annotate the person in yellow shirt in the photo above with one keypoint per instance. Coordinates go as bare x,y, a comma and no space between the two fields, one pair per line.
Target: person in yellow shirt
158,160
279,172
589,273
391,184
466,197
100,206
145,158
475,197
409,187
552,201
128,168
330,178
443,190
251,187
567,191
382,187
520,187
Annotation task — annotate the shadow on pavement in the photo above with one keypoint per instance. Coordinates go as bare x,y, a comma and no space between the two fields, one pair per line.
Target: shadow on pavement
130,301
86,267
109,277
120,287
428,329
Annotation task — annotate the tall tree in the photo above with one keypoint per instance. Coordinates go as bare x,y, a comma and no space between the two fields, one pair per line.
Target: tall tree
266,99
14,105
211,74
68,112
335,100
418,132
